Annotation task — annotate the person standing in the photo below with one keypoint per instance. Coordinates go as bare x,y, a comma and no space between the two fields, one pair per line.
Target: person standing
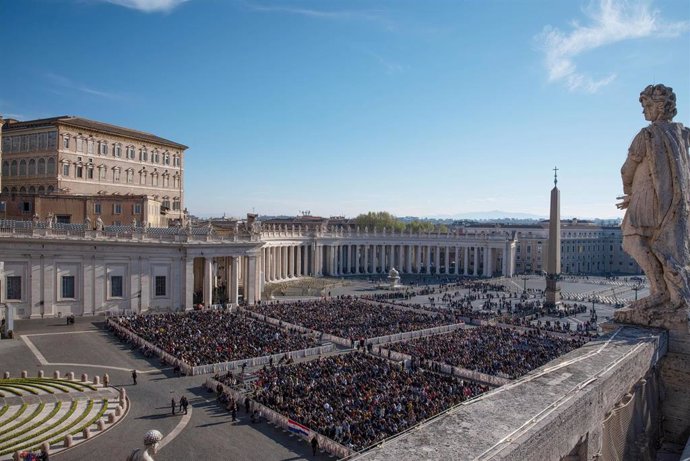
314,445
134,376
184,404
173,403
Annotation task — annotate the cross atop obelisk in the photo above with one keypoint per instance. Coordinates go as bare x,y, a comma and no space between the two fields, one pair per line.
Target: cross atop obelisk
553,261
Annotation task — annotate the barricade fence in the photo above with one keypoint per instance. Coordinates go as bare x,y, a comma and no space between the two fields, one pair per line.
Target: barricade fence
216,367
326,444
259,361
414,334
460,372
139,341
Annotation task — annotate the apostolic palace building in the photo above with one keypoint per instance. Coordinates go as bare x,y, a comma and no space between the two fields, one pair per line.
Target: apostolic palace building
94,222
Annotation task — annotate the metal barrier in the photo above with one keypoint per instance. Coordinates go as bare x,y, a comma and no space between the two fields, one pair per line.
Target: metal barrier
326,444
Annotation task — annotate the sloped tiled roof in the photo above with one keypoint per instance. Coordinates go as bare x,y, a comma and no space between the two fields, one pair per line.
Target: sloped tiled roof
79,122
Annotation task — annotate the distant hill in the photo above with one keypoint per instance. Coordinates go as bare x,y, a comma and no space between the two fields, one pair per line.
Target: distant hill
491,215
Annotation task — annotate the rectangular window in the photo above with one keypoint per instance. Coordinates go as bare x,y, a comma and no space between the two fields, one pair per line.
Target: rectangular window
136,208
79,170
160,285
103,148
65,169
80,145
26,207
52,139
116,286
117,208
14,288
97,208
89,173
116,175
90,146
101,173
68,287
65,142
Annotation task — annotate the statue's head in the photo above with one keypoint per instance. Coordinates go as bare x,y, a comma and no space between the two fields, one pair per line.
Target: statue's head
151,439
658,102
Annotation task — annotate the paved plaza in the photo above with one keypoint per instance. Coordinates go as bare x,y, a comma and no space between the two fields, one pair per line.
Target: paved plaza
208,431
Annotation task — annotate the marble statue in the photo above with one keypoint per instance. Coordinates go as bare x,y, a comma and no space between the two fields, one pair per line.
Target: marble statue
35,219
394,278
656,226
50,220
99,224
151,443
87,223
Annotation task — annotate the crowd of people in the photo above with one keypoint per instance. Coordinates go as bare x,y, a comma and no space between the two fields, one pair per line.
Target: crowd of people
349,317
357,399
492,350
214,336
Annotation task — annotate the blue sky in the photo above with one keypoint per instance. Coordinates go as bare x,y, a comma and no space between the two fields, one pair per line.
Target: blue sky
424,107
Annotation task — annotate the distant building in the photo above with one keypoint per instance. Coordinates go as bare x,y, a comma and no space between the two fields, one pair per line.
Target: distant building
66,209
73,156
586,248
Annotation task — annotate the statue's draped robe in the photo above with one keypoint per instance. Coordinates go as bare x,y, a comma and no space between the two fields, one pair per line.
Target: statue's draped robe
657,176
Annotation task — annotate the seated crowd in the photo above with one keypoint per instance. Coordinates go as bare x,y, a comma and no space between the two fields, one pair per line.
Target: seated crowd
357,399
488,349
348,317
214,336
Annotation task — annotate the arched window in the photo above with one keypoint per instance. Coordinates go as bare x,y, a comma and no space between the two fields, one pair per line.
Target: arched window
41,190
41,167
5,190
51,189
5,168
13,168
32,167
32,190
22,190
51,166
22,167
14,189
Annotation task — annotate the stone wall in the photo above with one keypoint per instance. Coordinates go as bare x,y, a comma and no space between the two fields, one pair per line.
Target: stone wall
555,412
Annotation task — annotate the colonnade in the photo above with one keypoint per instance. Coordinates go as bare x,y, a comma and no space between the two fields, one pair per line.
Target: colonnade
232,273
288,261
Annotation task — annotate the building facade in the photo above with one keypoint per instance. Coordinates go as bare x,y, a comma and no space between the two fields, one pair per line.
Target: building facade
75,156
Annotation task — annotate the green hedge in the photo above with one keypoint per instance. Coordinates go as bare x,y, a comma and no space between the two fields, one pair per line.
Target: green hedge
21,410
7,430
14,445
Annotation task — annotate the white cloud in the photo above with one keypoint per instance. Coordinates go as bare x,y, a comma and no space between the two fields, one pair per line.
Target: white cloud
610,21
374,16
70,84
148,6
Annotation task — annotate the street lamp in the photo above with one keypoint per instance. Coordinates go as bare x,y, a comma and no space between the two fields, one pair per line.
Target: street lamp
637,288
524,283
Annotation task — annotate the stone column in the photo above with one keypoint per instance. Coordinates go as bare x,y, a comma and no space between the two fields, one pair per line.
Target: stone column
250,281
466,260
418,258
489,268
234,284
428,259
476,261
188,280
286,262
408,261
208,281
366,258
298,261
291,261
447,259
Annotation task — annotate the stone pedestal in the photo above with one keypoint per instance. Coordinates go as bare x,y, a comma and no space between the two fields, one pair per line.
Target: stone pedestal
674,368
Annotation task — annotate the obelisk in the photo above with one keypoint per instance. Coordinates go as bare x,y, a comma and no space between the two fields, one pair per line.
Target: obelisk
553,263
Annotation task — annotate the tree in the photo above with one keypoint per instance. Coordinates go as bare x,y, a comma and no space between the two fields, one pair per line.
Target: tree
379,220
